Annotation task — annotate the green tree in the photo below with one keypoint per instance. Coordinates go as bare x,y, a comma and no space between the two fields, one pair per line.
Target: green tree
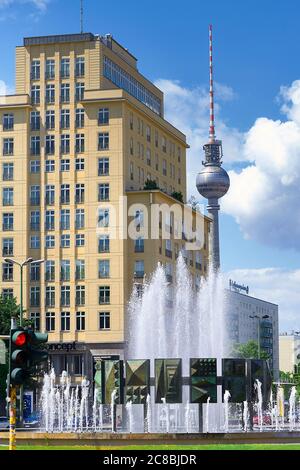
177,195
248,350
150,184
8,309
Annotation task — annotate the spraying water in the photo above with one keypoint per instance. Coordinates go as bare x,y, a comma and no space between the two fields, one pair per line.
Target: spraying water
227,397
259,403
292,409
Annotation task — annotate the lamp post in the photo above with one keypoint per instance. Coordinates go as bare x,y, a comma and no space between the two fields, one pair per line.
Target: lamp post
258,329
21,266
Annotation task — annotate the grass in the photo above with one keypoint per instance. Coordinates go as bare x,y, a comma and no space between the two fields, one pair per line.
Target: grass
169,448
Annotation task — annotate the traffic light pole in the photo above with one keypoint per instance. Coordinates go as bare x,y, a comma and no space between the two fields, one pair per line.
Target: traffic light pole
12,417
21,390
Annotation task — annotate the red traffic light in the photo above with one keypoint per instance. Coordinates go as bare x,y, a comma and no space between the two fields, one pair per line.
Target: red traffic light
20,338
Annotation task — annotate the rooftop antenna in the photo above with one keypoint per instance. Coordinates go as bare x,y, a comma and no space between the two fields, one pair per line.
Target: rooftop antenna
81,16
212,133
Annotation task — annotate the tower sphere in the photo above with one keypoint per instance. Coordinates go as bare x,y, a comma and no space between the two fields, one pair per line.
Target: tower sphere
213,182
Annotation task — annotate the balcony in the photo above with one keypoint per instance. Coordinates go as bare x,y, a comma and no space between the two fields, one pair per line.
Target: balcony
35,201
139,249
7,227
169,253
35,227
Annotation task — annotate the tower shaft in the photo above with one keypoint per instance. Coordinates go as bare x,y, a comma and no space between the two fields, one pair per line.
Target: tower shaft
213,208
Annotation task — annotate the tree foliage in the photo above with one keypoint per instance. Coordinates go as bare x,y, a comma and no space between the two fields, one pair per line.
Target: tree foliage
8,309
177,195
248,350
150,184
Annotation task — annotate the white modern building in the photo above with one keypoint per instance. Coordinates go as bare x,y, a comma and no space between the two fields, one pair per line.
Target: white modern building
249,318
289,351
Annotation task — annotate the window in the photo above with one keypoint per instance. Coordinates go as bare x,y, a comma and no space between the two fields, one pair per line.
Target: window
103,218
164,167
148,134
35,319
35,166
79,219
35,219
35,242
169,252
7,196
103,192
35,70
7,272
79,95
139,269
50,296
131,147
50,220
79,118
127,82
50,271
79,143
65,119
8,293
50,321
50,145
80,296
139,245
7,247
65,219
65,194
65,143
164,144
35,272
50,120
103,166
65,165
35,145
131,121
65,270
148,156
156,139
104,321
104,244
78,364
65,93
139,219
8,122
79,193
50,242
8,146
104,269
65,321
65,68
50,69
65,241
80,321
80,240
35,198
103,141
103,116
80,270
79,164
65,297
131,171
7,222
104,295
8,172
50,195
35,94
50,94
35,299
79,67
50,166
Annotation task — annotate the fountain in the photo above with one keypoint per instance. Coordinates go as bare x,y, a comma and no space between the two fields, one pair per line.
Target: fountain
292,408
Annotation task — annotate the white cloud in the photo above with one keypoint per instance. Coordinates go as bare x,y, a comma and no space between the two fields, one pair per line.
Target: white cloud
264,195
9,12
5,90
279,286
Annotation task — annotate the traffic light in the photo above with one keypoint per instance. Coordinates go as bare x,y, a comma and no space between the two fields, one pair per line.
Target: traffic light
25,353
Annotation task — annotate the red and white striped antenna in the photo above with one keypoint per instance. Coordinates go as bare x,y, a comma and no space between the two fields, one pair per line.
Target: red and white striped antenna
212,133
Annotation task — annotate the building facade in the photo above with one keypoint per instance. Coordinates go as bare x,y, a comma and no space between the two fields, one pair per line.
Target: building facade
249,318
84,132
289,352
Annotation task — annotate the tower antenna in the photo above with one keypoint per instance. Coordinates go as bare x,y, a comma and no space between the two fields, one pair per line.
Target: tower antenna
81,16
212,133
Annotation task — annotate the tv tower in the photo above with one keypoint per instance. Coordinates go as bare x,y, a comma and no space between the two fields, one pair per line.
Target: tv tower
213,181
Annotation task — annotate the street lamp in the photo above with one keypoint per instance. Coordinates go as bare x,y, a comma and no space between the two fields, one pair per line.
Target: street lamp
258,329
21,266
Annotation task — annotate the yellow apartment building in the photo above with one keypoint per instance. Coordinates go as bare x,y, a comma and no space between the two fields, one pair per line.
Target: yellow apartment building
84,132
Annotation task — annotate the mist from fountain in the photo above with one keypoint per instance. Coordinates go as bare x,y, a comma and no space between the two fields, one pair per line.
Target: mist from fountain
177,321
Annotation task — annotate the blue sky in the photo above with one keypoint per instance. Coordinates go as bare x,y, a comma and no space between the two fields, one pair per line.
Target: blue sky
256,51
